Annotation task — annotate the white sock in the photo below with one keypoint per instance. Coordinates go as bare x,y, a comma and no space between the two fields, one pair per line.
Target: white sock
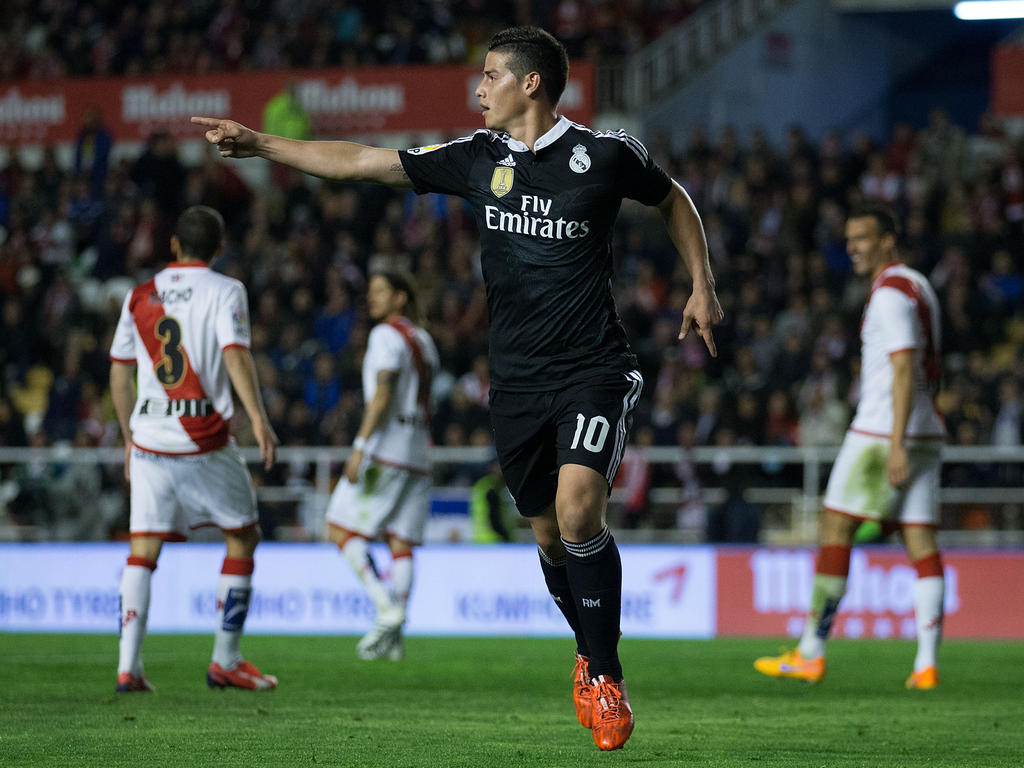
928,596
234,591
401,578
135,582
827,593
811,646
357,551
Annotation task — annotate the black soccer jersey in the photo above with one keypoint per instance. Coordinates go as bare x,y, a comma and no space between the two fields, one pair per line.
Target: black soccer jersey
545,220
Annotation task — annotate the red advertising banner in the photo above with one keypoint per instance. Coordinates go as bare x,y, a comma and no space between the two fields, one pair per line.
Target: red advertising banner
1007,93
767,591
340,102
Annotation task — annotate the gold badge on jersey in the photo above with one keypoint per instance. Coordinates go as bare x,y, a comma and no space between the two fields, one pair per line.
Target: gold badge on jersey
502,180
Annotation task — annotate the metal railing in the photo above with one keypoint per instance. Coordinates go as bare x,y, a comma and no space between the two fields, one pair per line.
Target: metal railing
794,507
679,53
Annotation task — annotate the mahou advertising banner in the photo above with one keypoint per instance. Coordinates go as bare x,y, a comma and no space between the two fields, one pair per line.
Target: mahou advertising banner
767,591
340,102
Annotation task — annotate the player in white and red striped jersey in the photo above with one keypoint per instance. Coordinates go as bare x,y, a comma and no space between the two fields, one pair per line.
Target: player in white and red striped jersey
888,467
186,333
385,489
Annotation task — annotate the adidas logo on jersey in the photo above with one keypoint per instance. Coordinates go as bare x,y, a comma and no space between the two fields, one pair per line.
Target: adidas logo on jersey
508,162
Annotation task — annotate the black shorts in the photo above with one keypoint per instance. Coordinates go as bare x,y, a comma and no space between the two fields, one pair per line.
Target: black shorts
535,433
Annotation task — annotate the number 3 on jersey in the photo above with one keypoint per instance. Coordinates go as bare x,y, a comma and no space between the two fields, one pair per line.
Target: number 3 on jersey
170,368
596,434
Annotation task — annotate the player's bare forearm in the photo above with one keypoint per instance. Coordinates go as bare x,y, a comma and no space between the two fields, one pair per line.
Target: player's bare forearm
902,393
687,233
898,464
338,160
372,418
122,392
703,310
242,371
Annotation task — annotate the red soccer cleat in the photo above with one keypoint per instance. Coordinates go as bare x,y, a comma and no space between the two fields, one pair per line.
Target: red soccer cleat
612,715
129,683
582,696
242,675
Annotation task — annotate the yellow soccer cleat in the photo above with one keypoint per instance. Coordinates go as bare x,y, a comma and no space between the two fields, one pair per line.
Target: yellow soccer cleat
924,680
792,665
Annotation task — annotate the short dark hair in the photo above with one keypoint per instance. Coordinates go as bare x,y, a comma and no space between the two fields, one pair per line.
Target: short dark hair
200,232
532,49
882,215
405,283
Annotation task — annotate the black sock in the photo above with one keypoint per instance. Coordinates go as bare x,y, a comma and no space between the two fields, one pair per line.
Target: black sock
557,579
595,576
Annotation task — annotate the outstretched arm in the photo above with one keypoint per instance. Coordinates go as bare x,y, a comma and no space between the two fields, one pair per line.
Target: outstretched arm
702,310
242,372
339,160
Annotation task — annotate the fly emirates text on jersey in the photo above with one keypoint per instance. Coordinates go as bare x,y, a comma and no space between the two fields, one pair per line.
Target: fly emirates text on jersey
533,219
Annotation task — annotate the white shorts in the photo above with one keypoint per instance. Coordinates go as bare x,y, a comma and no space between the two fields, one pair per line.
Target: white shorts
859,483
385,499
171,495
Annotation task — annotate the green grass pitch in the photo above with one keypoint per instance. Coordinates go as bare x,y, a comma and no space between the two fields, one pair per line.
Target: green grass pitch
503,702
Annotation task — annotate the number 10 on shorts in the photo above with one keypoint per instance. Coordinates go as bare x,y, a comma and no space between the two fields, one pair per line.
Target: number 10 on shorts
597,429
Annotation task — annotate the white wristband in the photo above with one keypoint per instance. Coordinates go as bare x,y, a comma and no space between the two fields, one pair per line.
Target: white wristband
359,444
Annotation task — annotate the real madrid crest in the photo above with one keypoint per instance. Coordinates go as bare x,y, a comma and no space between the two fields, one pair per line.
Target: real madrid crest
580,160
502,180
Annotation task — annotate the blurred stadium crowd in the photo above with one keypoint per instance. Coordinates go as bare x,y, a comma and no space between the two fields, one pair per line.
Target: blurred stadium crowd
75,239
60,38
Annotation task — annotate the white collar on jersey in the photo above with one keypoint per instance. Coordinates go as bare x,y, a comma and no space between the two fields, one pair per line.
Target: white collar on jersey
549,138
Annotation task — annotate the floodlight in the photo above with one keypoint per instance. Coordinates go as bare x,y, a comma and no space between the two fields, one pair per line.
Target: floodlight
985,10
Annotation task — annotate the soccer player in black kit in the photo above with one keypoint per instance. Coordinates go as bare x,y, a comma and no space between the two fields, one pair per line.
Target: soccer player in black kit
545,192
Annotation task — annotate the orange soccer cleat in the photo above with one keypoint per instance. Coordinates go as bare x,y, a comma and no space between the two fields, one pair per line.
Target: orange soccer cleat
924,680
792,665
129,683
242,675
612,716
582,696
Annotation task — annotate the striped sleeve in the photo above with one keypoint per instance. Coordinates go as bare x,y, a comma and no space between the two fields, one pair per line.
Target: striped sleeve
640,178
